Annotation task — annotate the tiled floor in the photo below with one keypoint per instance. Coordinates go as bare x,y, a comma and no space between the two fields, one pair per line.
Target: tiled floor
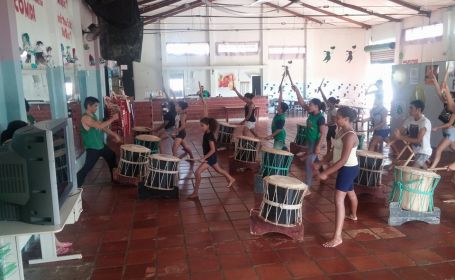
122,237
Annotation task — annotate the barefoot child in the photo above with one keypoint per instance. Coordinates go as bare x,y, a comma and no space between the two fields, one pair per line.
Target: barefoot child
344,161
250,119
180,132
314,134
209,126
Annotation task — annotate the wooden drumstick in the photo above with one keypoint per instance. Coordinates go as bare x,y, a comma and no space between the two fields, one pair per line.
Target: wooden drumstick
282,79
319,88
450,167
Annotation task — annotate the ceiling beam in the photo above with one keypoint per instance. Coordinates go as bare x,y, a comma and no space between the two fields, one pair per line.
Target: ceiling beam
157,6
173,12
363,10
412,7
363,25
293,13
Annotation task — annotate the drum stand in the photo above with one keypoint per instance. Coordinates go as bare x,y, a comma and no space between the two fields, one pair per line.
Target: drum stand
145,192
259,227
406,147
398,216
125,179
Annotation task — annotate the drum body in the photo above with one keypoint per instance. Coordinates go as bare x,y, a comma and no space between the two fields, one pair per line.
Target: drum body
138,130
370,164
282,201
149,141
162,172
225,133
133,160
361,138
300,136
275,162
414,188
246,149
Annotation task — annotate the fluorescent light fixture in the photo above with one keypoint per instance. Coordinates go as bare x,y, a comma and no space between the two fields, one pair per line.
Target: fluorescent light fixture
187,48
424,32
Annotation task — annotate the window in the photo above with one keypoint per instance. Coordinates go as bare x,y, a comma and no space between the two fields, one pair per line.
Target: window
246,48
424,32
187,48
287,52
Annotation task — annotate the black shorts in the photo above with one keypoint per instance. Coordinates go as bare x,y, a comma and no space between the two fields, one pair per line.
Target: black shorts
331,132
212,160
181,134
345,178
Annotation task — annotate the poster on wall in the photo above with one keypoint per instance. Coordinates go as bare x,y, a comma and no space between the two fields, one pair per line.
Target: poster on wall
226,80
414,76
428,70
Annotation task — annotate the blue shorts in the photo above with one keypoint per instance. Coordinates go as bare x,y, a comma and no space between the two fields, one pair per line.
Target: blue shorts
345,178
384,133
212,160
449,133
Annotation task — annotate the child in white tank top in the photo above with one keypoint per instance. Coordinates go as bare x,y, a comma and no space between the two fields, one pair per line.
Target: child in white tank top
344,161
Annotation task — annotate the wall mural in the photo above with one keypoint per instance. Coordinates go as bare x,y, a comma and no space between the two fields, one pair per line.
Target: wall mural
352,93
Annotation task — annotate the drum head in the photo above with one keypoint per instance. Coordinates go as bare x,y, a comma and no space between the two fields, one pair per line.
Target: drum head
142,129
148,138
164,157
248,138
417,171
275,151
135,148
368,154
286,182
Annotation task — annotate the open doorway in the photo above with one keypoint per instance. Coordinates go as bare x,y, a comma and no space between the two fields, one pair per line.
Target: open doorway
381,71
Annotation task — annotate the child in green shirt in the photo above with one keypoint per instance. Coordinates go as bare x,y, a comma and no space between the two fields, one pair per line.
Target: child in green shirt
278,122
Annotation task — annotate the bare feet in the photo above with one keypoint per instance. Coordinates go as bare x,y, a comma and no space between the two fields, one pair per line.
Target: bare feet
333,243
230,183
351,217
300,154
193,195
62,251
307,192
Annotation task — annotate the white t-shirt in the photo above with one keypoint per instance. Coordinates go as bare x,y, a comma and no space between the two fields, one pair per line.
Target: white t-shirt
413,127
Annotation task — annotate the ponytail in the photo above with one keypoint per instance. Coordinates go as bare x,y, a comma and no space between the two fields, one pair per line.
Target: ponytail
211,122
319,103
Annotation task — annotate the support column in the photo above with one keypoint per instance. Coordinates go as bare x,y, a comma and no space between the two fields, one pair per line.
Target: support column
57,92
12,104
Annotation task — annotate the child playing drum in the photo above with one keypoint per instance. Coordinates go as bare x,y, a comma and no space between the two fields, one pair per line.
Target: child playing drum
209,127
314,134
278,131
250,118
331,117
164,131
344,159
180,132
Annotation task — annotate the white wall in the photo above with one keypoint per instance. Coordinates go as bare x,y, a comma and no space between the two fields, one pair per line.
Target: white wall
207,69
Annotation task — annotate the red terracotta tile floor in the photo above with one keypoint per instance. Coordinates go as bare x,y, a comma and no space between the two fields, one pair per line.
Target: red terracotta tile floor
122,237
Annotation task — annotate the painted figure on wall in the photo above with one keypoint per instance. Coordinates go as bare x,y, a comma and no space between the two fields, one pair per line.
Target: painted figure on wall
328,56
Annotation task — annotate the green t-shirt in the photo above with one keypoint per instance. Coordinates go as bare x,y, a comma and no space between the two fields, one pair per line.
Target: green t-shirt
205,94
91,139
312,132
31,119
278,123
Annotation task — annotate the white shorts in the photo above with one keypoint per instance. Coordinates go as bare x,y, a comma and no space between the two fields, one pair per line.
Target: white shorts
250,125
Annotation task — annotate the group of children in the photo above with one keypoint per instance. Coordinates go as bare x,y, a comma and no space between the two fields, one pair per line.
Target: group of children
336,130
